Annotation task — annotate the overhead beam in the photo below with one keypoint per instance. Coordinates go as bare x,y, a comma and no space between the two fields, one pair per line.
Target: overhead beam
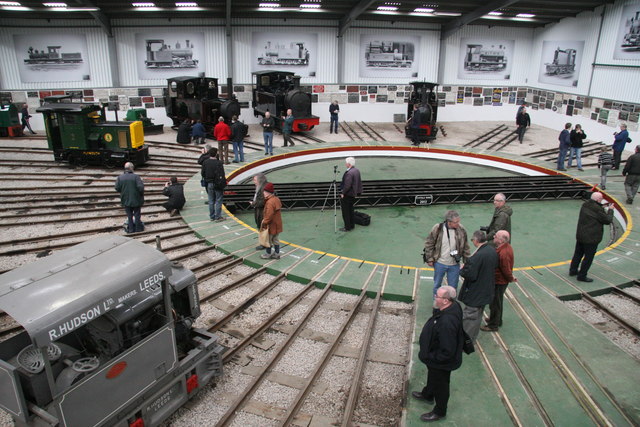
100,17
353,14
467,18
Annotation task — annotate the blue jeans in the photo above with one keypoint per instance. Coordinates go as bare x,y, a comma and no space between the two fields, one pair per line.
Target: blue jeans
238,151
134,223
333,125
577,152
268,142
215,201
453,274
562,156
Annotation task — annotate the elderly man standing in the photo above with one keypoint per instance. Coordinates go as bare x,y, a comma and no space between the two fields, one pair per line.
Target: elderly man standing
445,247
501,219
504,275
565,145
593,216
619,141
350,187
441,350
334,110
287,128
632,172
222,134
479,283
131,189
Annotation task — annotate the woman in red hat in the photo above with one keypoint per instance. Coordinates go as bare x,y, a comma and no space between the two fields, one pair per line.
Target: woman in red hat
272,220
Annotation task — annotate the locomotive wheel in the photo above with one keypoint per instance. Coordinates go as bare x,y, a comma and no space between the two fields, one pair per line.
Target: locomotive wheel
77,160
110,163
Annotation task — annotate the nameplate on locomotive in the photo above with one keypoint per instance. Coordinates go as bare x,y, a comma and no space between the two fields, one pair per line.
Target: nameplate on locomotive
423,200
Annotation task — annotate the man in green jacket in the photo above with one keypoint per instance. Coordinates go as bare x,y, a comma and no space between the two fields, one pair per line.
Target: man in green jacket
287,128
131,190
593,215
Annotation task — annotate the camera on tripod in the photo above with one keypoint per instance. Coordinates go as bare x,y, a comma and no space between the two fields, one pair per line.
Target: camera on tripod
485,229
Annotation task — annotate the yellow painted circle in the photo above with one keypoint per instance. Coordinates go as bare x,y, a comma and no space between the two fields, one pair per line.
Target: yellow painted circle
108,137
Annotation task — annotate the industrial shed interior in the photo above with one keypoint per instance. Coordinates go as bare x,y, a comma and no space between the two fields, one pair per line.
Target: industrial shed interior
328,334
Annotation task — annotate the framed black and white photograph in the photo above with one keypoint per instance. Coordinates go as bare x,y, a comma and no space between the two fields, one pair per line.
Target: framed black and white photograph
628,40
560,62
52,57
161,55
293,51
485,59
388,56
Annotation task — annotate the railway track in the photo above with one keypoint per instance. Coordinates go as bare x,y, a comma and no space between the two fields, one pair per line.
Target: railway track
361,131
49,226
495,139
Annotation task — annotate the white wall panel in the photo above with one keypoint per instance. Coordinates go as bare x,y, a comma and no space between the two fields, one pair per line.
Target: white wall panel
327,63
521,60
97,50
215,49
427,53
583,27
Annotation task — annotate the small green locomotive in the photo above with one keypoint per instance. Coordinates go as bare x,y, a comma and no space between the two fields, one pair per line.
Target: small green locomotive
79,133
9,121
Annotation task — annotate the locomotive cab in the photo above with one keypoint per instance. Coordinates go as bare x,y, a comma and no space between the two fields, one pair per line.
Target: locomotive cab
424,95
108,337
9,121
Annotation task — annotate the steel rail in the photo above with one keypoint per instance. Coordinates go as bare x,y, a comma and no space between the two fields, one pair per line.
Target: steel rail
485,136
253,385
605,390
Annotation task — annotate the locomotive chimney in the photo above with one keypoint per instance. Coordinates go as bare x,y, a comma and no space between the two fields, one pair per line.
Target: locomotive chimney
296,82
229,88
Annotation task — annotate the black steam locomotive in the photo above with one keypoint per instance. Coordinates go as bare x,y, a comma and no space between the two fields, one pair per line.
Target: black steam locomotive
197,98
277,91
424,94
52,57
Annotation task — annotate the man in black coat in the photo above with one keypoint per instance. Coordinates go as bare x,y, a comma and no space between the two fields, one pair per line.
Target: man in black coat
479,283
632,172
441,350
523,121
350,187
589,233
214,177
131,189
184,132
175,193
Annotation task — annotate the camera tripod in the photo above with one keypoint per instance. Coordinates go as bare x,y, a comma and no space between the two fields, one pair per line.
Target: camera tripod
334,187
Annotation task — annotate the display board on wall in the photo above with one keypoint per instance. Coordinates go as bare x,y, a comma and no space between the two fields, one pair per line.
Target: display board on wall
294,51
160,55
560,62
52,57
482,59
388,56
628,40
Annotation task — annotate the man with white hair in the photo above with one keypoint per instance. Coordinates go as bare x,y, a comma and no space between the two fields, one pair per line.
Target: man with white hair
131,189
501,219
503,276
350,187
441,342
593,216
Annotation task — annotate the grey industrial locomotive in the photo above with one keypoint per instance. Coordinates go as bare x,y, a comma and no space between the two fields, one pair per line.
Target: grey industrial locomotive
108,337
564,62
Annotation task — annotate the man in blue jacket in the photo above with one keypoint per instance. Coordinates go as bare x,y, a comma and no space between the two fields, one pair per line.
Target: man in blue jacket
620,140
441,350
198,132
565,144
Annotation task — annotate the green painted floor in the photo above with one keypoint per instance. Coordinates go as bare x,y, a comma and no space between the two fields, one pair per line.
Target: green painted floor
575,374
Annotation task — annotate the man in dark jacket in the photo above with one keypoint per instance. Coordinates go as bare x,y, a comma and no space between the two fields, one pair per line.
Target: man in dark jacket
350,188
632,172
237,138
25,119
287,128
415,122
214,177
577,137
198,132
184,132
619,141
441,342
131,190
479,283
334,110
268,123
175,193
589,233
523,121
501,219
565,145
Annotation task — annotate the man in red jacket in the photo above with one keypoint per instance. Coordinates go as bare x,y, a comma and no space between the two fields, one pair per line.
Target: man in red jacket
504,275
222,134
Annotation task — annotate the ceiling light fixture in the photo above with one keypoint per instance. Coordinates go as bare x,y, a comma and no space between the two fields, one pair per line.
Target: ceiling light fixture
271,5
447,13
141,5
54,4
186,4
495,13
310,6
525,15
423,10
388,8
10,3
